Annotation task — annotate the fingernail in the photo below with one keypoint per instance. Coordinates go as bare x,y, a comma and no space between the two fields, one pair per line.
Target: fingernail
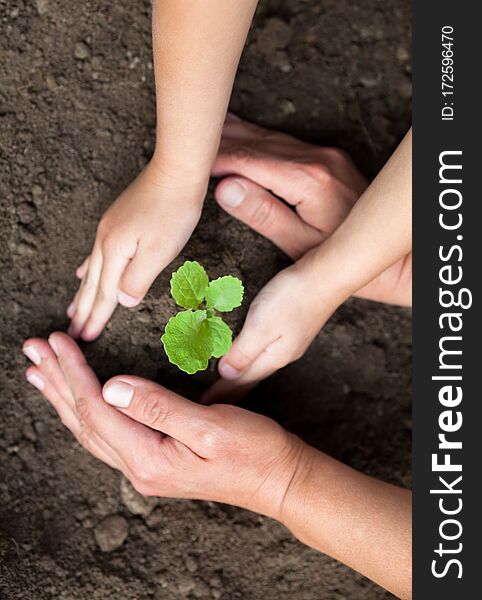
31,353
230,116
71,310
36,381
118,393
227,371
231,193
53,345
126,300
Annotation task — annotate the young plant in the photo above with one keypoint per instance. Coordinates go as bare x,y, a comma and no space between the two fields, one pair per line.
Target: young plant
195,335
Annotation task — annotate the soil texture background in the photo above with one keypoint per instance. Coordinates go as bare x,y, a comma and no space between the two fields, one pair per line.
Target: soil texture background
76,125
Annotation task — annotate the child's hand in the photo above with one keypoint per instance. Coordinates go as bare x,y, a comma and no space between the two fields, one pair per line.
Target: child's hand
144,229
164,444
282,322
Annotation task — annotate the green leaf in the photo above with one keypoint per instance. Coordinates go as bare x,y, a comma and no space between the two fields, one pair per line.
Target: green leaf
189,284
224,293
220,334
187,340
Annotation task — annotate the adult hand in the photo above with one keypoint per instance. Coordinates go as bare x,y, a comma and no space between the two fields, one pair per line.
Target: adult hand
265,172
144,229
164,444
168,446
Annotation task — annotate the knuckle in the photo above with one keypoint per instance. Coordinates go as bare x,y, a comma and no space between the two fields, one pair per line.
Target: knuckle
337,155
324,182
241,152
297,354
153,409
310,177
264,216
103,229
133,287
319,174
239,359
213,440
109,243
144,477
209,440
282,361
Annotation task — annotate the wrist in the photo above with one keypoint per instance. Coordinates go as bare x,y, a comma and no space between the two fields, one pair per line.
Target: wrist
324,287
307,510
183,171
282,489
179,178
294,496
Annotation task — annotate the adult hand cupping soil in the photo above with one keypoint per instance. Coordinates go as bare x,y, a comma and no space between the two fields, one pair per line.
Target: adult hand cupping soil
323,186
171,447
136,238
221,453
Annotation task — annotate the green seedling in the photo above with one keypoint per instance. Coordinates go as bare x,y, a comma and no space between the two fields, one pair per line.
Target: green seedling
194,336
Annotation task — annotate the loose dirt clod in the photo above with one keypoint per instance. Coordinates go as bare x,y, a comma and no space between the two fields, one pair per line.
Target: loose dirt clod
111,532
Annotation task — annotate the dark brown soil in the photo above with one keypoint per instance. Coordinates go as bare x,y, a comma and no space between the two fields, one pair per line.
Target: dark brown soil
76,125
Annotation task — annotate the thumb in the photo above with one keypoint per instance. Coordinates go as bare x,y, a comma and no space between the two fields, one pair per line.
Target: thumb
138,277
257,207
254,338
230,391
159,408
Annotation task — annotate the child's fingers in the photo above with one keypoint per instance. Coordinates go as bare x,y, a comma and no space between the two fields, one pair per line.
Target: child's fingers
72,307
80,274
82,269
258,208
106,300
87,293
